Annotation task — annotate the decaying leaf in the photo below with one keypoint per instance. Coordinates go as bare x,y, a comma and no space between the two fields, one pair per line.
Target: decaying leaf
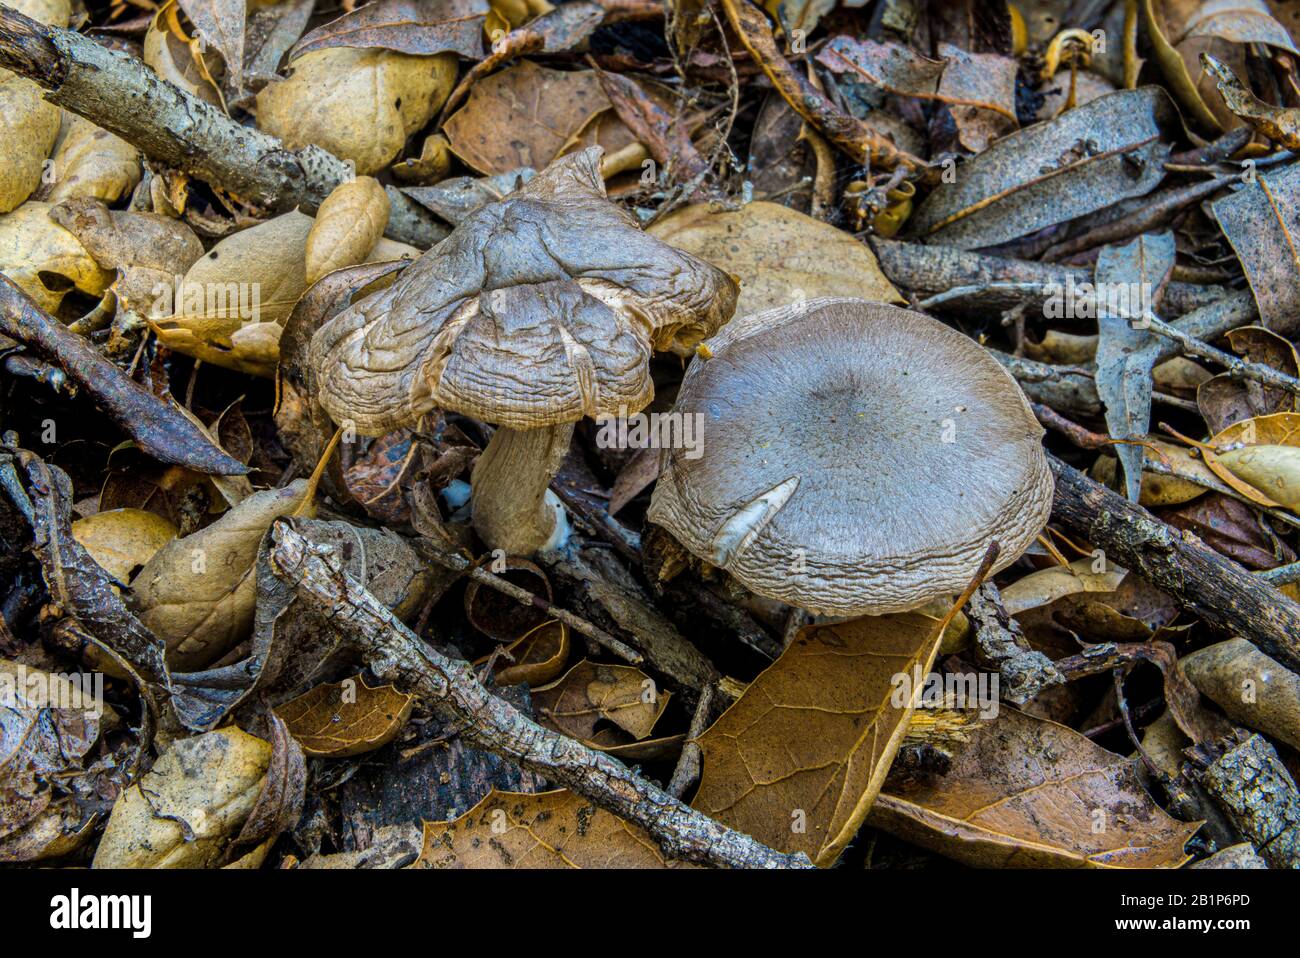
420,27
778,255
1261,221
1028,793
1144,265
1084,160
799,758
229,307
526,115
535,657
184,811
590,694
44,259
92,163
348,225
361,105
198,593
28,127
345,718
122,540
545,830
167,49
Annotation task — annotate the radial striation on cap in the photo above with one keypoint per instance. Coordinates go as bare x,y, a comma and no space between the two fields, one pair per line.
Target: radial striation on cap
857,458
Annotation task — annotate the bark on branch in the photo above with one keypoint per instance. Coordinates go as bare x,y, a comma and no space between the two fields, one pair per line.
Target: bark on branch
397,655
124,96
1212,586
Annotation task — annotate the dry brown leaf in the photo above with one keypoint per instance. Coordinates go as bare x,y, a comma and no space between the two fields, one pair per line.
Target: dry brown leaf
536,657
346,718
198,594
348,225
525,115
592,692
185,810
1024,792
121,540
361,105
778,255
798,759
545,830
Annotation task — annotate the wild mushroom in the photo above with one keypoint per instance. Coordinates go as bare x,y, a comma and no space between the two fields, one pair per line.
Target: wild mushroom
536,311
856,458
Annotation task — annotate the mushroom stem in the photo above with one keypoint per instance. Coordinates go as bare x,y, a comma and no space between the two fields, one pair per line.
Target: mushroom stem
510,481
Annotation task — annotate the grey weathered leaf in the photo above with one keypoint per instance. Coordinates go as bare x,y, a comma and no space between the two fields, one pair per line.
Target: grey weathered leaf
418,27
1261,221
1143,267
1084,160
221,24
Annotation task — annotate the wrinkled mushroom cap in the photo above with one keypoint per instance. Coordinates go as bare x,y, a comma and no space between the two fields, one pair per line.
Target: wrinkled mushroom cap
537,310
824,478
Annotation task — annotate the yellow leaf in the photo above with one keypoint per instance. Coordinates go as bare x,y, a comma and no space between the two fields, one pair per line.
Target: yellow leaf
348,225
230,306
34,249
28,128
360,104
185,811
93,163
1273,470
778,255
122,539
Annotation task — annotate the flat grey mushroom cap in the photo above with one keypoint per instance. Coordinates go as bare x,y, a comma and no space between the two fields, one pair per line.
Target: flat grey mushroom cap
537,310
857,458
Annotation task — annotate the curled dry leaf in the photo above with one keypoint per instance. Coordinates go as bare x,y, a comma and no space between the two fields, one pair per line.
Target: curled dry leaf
1056,582
44,259
1181,31
591,693
360,105
1223,400
44,744
778,255
1027,793
1249,686
1279,124
812,738
185,810
168,52
544,830
230,306
198,593
348,224
28,128
122,540
346,718
536,657
92,163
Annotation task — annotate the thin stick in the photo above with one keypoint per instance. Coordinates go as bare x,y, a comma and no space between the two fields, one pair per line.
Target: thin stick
396,654
1237,368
